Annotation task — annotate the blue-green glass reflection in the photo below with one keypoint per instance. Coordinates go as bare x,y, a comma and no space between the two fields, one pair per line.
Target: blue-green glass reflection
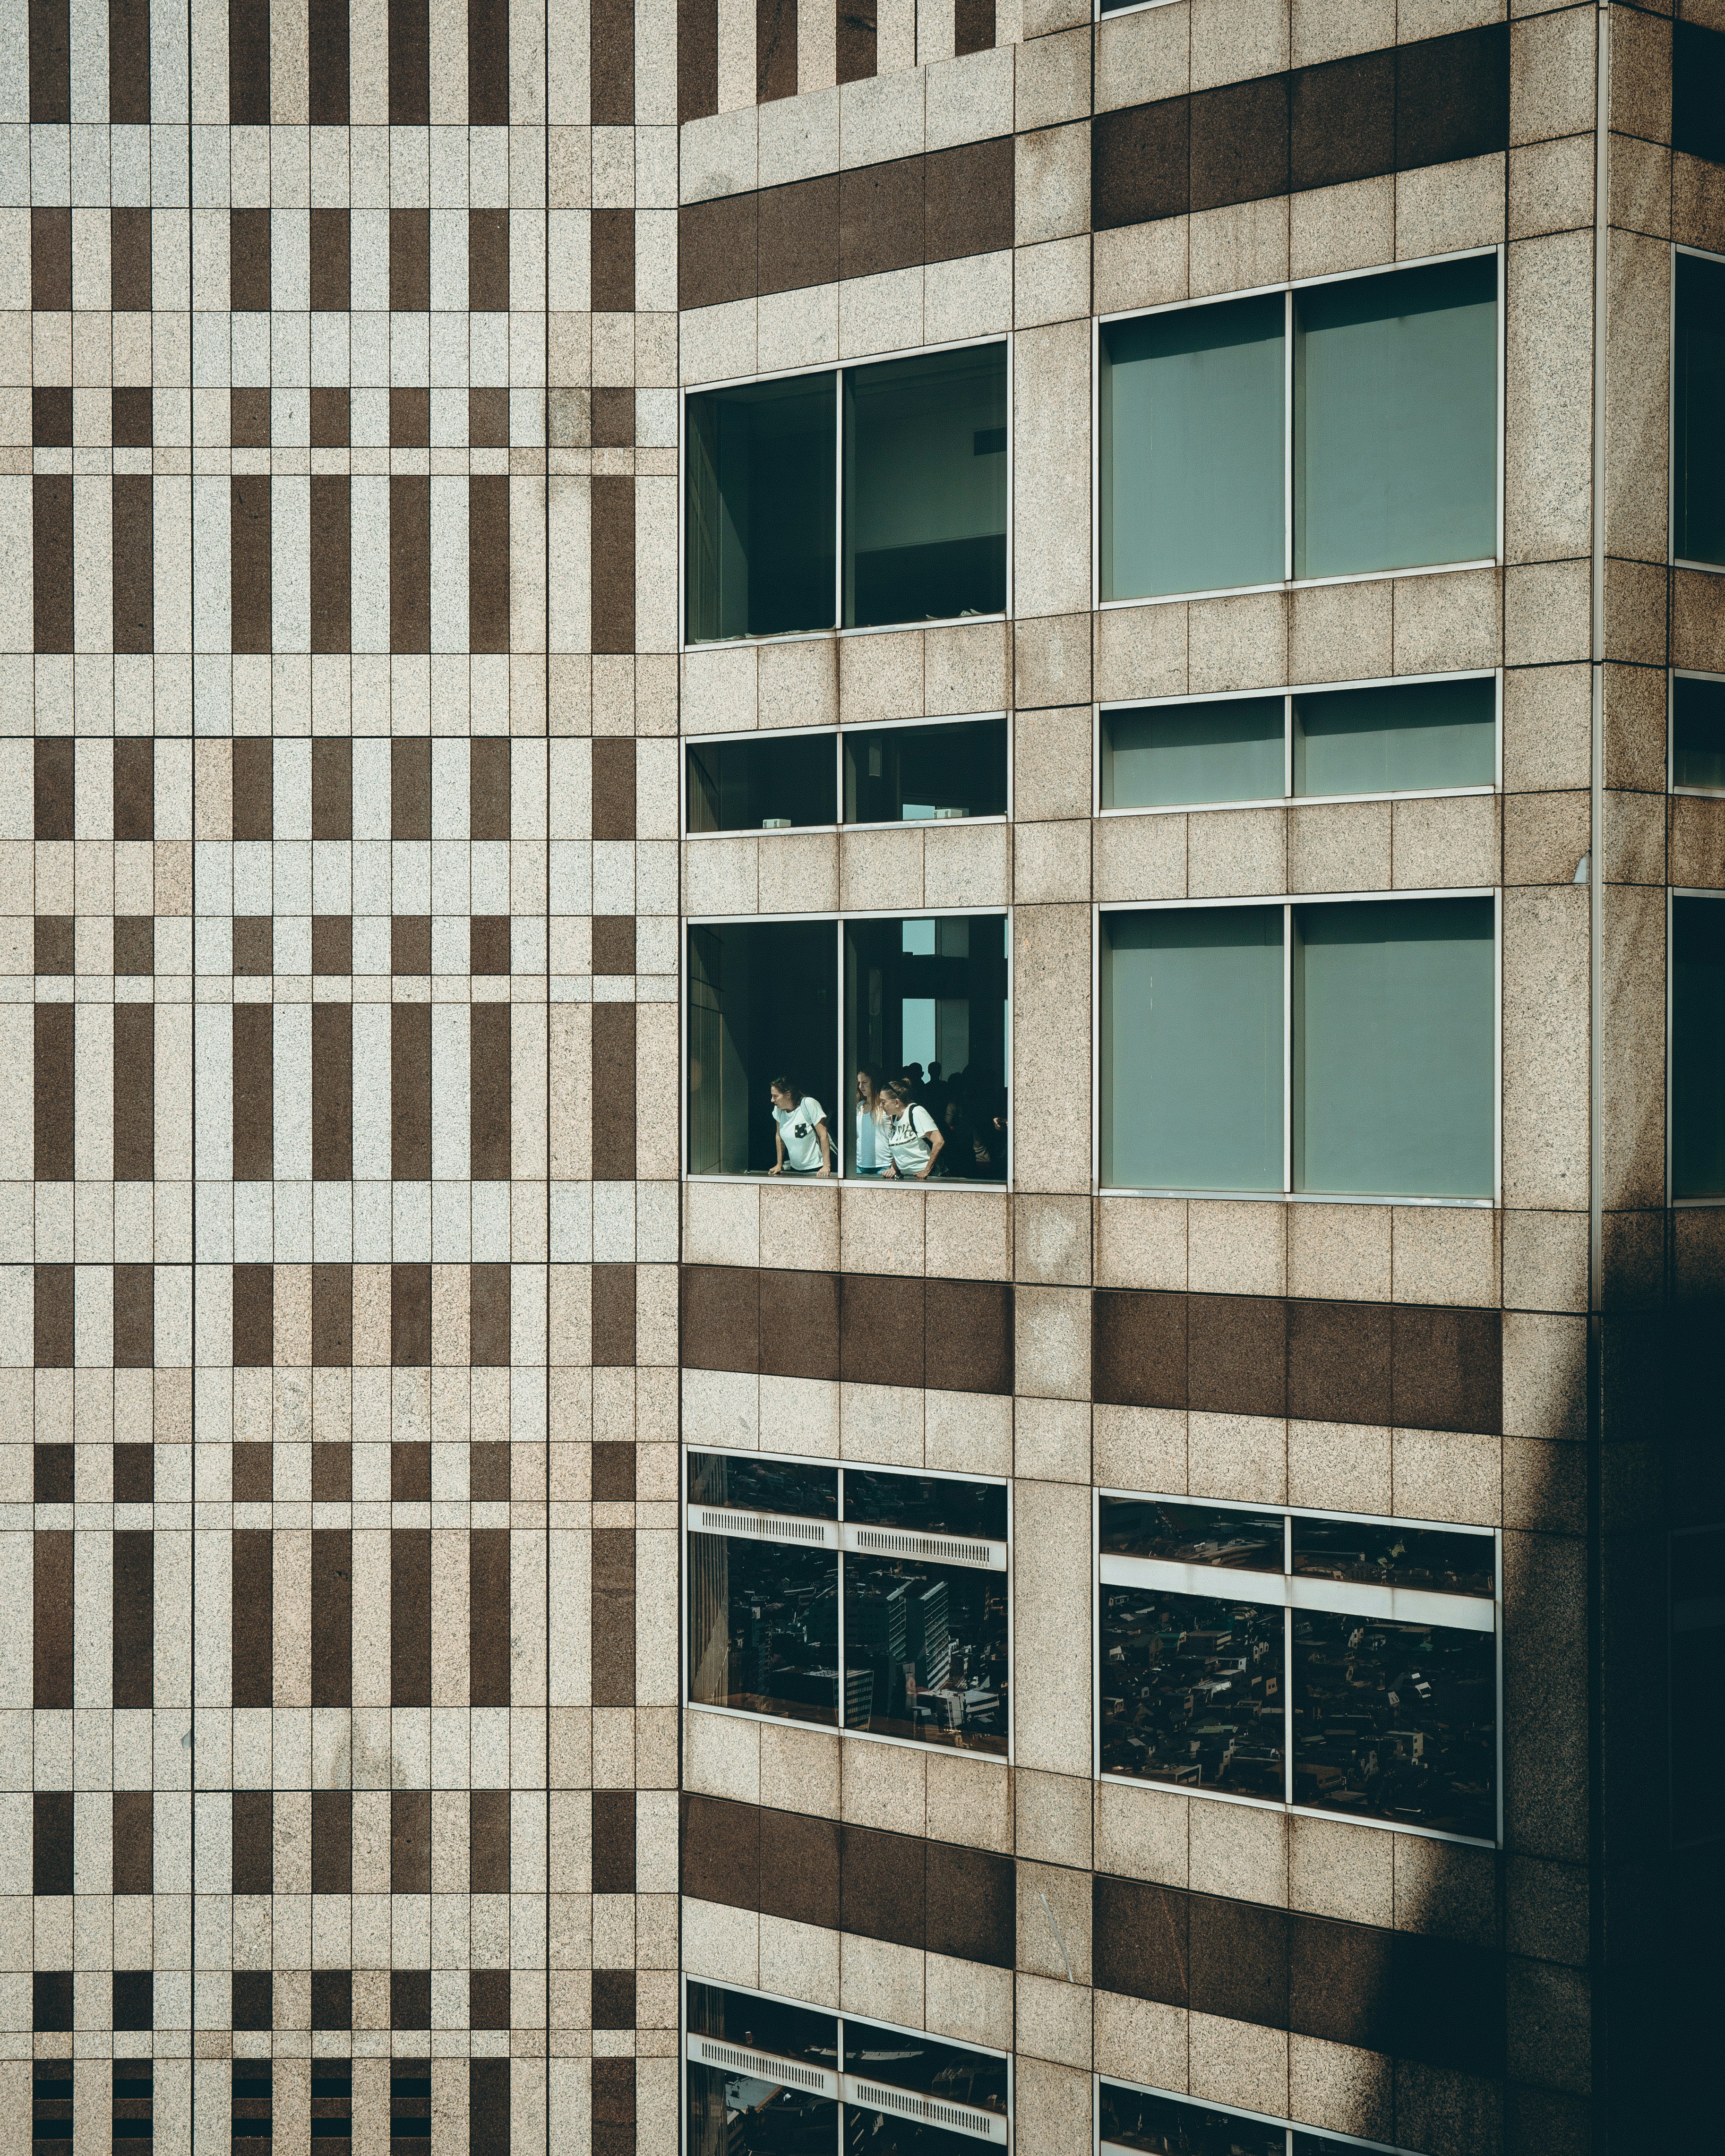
1697,1048
1698,412
1697,733
1163,755
1389,738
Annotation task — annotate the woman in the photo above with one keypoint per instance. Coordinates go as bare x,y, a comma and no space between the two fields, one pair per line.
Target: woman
799,1132
913,1137
870,1122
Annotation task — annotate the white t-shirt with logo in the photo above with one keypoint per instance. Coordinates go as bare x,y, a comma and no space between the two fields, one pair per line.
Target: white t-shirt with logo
908,1139
797,1130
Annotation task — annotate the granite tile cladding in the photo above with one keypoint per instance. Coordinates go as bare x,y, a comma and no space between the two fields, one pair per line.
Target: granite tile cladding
1699,91
1409,1365
1424,104
857,224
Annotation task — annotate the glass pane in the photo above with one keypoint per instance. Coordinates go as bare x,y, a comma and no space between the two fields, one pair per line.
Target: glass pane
763,1627
1396,1721
901,2060
927,1504
925,488
1191,449
1429,1559
1192,1534
1698,1647
1698,412
1697,733
1391,739
1192,1054
761,508
1394,1028
1169,753
763,2025
762,785
925,1652
919,774
925,1041
1697,1048
1164,2126
1192,1692
763,1046
761,1484
736,2115
1395,419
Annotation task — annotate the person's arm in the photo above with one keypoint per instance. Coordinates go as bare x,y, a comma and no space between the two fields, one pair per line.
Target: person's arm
826,1147
936,1140
777,1150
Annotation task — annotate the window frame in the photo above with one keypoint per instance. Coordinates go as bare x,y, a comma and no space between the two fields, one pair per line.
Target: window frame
1673,893
840,733
687,921
1289,2127
1287,798
838,1462
1680,561
1673,676
1223,1575
836,368
1287,1195
1288,287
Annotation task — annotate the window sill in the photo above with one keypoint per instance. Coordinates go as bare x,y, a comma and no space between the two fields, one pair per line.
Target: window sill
1001,1753
872,629
1306,801
1306,1198
904,823
868,1182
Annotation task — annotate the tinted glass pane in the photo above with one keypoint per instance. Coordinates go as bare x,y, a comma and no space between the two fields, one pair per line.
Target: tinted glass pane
926,1012
763,1627
878,2134
903,2061
1163,2126
1191,1049
736,2115
1697,1048
1191,449
1697,1645
1394,1033
1427,1558
927,1503
1171,753
763,2025
919,774
1395,419
1192,1690
1698,412
763,1485
1396,1721
925,488
762,785
925,1652
1389,740
1192,1534
1697,733
762,515
762,1007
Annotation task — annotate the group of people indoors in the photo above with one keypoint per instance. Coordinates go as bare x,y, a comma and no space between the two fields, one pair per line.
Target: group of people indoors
910,1126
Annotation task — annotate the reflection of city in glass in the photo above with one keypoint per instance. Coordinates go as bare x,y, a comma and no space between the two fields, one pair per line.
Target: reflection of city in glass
1192,1692
1157,2125
1193,1534
924,1638
1385,1555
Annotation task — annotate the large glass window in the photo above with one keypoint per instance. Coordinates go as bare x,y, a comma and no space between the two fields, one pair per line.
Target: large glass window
1698,732
1391,381
1380,1064
774,781
763,1047
1332,1663
1697,1079
1698,412
1151,2123
1422,736
768,781
797,1572
767,2077
922,503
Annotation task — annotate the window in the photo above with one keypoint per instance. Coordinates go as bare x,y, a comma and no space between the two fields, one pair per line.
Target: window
800,1571
1697,1636
775,780
1698,412
1339,428
1698,733
764,2077
1336,1664
1419,736
916,532
1341,1048
1149,2120
1697,1054
924,1013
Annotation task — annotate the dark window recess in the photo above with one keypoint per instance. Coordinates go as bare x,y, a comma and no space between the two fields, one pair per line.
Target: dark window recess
1699,91
331,2101
410,2107
762,999
1130,2118
917,774
253,2093
768,783
1698,412
134,2089
1698,733
51,2101
761,504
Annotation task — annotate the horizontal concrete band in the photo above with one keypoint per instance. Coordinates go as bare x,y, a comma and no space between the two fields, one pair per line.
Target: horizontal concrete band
1407,1366
1436,2001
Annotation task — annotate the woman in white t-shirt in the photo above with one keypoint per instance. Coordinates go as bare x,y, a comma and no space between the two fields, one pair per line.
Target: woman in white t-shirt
799,1132
870,1123
913,1137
